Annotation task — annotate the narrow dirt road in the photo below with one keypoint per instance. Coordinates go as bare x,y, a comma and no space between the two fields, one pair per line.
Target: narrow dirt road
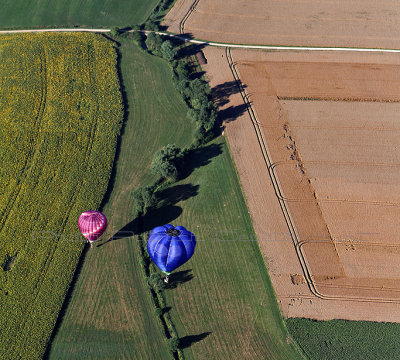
205,42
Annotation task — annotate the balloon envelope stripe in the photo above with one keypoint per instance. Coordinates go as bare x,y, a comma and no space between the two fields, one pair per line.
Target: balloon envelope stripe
97,228
162,254
161,239
92,224
178,255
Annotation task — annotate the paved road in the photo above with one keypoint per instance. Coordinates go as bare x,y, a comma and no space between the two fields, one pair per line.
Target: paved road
204,42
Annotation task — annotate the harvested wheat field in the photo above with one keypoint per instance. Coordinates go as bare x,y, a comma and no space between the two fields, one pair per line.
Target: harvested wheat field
359,23
320,167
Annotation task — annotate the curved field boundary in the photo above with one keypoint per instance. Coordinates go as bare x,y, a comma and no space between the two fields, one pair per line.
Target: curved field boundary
35,289
361,287
88,151
298,244
358,128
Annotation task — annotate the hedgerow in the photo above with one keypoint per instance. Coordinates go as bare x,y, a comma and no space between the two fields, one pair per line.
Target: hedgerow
60,116
195,91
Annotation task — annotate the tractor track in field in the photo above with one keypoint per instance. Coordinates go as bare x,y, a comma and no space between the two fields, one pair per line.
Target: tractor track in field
274,180
274,165
31,155
187,15
50,257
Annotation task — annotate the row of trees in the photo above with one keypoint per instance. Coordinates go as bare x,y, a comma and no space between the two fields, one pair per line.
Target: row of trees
195,91
169,162
145,199
159,47
153,21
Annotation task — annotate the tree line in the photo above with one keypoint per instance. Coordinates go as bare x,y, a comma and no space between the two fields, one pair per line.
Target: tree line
169,162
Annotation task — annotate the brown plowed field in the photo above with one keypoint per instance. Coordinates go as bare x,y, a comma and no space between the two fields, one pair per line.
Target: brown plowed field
337,168
357,23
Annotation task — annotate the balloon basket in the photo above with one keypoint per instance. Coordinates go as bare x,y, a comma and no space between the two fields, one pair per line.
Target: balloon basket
166,279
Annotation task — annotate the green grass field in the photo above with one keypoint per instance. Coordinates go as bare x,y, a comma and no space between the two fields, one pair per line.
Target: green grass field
83,13
350,340
223,305
228,308
60,115
110,315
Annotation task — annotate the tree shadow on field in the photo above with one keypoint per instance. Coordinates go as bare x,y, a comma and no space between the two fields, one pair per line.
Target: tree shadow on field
199,157
165,213
231,113
166,309
222,92
160,216
174,194
151,219
167,210
187,341
179,277
186,36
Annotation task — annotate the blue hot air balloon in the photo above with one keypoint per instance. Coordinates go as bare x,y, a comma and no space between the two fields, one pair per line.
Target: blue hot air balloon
170,247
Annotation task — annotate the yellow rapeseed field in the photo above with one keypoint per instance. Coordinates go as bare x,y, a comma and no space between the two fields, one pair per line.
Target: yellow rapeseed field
60,115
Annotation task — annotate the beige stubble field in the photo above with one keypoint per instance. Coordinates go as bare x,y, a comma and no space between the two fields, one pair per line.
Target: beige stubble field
361,23
338,170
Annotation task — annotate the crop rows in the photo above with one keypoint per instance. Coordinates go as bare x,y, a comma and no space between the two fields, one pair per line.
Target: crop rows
60,115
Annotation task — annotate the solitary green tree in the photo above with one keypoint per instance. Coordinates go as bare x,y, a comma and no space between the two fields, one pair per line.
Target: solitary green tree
168,52
166,161
143,198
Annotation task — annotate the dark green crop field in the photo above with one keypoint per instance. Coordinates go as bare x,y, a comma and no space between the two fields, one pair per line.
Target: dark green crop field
350,340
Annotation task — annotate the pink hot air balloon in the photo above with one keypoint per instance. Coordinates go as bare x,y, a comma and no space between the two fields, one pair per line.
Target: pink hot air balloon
92,225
